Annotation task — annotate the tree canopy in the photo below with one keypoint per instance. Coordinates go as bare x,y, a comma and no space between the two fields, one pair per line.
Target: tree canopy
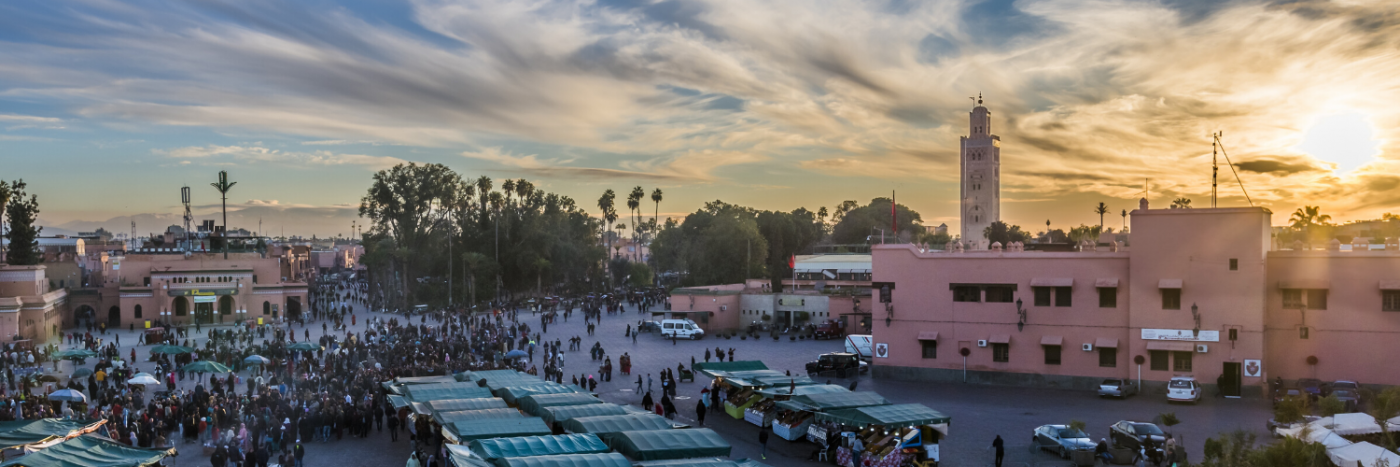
858,224
1001,232
23,235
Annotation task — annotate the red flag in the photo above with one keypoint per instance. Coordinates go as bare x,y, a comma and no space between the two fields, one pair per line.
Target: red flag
792,261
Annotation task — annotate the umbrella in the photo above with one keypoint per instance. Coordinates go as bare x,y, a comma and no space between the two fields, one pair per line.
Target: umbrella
143,379
171,349
206,367
303,346
254,360
81,373
67,395
516,354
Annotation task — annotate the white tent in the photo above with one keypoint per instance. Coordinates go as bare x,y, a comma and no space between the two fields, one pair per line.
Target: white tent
1366,454
1351,424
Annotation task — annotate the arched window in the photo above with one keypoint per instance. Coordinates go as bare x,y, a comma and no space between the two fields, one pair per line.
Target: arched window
137,311
182,306
267,307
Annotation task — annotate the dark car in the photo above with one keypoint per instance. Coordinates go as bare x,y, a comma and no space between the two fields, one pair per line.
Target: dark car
1282,394
1349,397
1132,435
830,329
837,362
1343,384
1311,386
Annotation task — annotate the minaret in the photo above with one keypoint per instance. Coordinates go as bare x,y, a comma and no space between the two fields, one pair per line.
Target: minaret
981,177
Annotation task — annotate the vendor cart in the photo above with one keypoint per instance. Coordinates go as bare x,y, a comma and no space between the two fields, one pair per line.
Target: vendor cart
155,336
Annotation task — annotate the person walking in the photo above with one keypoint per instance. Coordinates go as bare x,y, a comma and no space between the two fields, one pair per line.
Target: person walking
639,383
700,411
299,452
393,429
763,441
1000,447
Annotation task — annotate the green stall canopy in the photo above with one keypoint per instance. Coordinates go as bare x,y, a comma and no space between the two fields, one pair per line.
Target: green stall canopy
433,392
443,418
512,394
610,459
18,433
565,412
890,416
802,390
501,448
464,377
703,462
480,377
497,385
480,403
500,428
534,405
461,456
399,402
609,425
671,444
425,379
742,365
91,451
833,401
781,380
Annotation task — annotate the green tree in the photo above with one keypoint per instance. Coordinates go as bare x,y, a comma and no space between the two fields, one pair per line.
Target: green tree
936,239
1331,405
1169,420
410,204
640,275
23,235
1000,232
857,224
1311,223
1101,209
1383,407
717,244
787,234
1181,203
1291,410
1084,232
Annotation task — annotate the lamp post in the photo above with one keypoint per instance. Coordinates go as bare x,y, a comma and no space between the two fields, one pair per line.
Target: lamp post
1021,316
1196,315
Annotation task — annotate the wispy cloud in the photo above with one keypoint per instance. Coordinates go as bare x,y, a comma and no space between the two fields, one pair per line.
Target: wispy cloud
245,154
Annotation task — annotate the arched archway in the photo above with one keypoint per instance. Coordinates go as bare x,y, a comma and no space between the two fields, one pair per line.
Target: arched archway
136,312
182,306
293,308
84,314
114,317
267,308
225,306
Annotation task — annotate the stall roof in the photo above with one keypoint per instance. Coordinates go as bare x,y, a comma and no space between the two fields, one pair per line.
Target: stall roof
526,446
461,456
480,403
503,428
703,462
887,415
803,390
1362,453
742,365
91,451
608,424
671,444
834,401
398,401
464,377
443,418
610,459
512,394
425,379
434,392
499,384
534,405
479,376
781,380
564,412
21,432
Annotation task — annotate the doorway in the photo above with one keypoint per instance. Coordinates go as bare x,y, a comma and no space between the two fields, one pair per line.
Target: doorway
1230,380
225,307
114,317
204,312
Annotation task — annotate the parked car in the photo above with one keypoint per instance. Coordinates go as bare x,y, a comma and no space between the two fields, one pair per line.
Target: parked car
1282,394
838,362
1342,384
1061,439
1351,398
1183,389
1132,435
1311,386
830,329
649,326
1117,388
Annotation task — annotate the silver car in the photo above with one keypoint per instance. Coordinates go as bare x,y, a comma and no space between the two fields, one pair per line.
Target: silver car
1061,439
1120,388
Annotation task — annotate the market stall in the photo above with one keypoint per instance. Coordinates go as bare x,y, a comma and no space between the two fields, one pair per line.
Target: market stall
535,404
440,391
610,459
512,394
91,451
480,403
783,391
460,432
445,417
560,413
709,368
796,414
891,435
459,456
703,462
609,426
496,385
495,449
19,437
671,444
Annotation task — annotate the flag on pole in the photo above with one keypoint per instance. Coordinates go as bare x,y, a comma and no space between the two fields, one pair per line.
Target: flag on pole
792,261
894,221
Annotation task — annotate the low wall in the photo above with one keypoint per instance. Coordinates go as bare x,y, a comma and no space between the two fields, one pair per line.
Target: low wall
1029,380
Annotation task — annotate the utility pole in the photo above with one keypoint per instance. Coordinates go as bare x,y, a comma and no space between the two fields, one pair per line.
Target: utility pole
223,186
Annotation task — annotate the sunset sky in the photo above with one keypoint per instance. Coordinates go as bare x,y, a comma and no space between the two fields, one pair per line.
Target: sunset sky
108,107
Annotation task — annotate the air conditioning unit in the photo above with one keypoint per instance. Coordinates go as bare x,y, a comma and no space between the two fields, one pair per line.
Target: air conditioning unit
1201,349
723,307
982,343
1088,347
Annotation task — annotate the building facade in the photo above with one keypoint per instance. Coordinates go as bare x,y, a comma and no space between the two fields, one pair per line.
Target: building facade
980,162
30,307
1202,292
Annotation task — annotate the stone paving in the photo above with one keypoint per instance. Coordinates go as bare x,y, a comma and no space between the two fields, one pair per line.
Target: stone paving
979,413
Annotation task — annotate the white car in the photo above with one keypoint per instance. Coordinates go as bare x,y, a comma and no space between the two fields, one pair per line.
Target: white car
1183,389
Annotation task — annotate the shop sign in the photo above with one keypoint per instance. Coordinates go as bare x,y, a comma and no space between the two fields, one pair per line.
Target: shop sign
202,292
1180,335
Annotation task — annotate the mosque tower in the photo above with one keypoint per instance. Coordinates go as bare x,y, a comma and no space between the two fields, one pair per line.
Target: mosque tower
981,177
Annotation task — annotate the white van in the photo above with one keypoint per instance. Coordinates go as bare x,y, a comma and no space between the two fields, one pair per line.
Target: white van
859,344
681,329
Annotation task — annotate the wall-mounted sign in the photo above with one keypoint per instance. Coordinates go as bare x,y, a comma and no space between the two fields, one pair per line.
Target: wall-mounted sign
202,292
792,301
882,350
1253,368
206,298
1180,335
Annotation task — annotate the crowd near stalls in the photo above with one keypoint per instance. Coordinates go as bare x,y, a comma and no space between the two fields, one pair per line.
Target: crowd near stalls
851,428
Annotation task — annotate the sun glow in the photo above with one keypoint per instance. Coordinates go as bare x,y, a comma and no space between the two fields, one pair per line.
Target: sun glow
1346,139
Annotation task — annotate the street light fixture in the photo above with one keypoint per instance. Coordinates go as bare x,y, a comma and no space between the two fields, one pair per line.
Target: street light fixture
1021,316
1196,315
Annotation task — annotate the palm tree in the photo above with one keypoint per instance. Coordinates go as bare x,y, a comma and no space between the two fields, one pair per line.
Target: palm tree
524,189
655,198
1308,216
1181,203
1101,209
605,204
634,206
509,188
483,189
1125,220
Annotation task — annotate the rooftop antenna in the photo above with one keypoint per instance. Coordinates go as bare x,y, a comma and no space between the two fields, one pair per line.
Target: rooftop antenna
1214,170
185,198
1218,135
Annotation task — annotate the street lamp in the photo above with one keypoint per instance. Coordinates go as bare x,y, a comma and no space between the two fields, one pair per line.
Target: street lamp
1021,316
1196,315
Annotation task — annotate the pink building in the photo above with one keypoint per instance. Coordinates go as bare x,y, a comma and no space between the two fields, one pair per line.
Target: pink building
1200,292
30,307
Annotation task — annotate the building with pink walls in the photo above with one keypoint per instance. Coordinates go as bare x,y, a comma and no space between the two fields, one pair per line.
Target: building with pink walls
1199,293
